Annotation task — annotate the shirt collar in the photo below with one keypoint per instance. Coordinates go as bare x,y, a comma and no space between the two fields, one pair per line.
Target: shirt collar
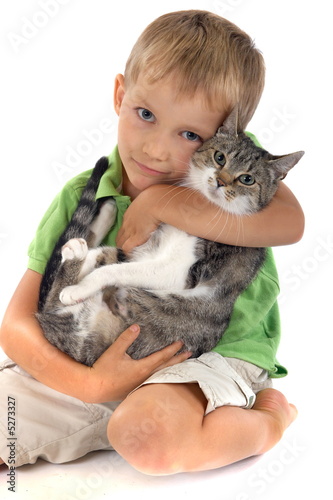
111,181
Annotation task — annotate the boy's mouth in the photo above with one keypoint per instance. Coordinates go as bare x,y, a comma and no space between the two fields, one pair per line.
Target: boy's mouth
148,170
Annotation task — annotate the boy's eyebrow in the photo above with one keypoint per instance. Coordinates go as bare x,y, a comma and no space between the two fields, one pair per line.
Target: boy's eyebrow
137,96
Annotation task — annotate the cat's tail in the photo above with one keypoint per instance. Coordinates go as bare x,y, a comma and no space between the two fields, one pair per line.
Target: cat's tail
78,226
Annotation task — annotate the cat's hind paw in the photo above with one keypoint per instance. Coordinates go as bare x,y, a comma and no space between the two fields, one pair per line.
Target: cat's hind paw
115,298
76,248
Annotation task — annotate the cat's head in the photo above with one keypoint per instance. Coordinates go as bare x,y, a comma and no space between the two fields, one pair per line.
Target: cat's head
232,172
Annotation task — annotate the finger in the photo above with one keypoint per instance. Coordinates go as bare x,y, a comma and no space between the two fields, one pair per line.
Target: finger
126,338
133,241
163,356
128,245
120,238
179,358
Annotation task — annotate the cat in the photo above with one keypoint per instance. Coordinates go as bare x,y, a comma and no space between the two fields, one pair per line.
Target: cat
175,286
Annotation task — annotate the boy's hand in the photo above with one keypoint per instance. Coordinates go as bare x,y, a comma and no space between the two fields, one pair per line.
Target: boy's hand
138,223
115,374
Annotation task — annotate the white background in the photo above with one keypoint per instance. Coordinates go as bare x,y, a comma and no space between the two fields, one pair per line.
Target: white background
57,73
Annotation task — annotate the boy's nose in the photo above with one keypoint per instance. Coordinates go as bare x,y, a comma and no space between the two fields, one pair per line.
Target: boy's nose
156,148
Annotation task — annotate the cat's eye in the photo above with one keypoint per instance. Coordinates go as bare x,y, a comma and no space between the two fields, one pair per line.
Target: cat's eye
247,179
146,115
220,158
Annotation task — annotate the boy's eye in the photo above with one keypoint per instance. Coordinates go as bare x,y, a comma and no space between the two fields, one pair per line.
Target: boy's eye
191,136
146,115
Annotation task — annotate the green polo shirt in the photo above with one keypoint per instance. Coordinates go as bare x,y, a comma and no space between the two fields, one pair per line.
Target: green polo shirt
63,206
254,330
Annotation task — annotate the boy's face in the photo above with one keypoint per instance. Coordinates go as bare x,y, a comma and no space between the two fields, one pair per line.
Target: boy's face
158,133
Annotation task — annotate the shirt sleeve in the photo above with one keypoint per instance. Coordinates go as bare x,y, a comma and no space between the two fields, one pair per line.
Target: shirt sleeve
52,226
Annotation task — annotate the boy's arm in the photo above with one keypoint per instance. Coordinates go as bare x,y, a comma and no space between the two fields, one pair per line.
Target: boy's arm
111,378
280,223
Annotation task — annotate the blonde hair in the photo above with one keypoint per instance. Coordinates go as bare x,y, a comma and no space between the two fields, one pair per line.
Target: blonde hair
203,52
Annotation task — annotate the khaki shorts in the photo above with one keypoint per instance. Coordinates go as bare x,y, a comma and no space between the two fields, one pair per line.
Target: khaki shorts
38,422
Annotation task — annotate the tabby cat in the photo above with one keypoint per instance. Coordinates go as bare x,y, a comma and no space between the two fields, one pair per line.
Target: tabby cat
175,286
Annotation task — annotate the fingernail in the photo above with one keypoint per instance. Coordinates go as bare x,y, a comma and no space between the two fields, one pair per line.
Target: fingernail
134,328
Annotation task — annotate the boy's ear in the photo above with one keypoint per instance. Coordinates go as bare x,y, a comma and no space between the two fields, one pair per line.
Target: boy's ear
119,92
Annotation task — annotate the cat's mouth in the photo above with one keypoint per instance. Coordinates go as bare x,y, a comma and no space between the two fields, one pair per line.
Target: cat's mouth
227,199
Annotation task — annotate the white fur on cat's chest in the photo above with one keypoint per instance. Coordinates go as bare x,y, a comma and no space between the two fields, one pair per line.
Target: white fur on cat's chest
160,264
173,254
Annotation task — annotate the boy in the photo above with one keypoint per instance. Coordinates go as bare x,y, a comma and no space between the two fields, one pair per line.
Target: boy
165,413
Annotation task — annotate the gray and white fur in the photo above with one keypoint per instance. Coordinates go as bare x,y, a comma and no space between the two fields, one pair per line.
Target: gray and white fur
175,286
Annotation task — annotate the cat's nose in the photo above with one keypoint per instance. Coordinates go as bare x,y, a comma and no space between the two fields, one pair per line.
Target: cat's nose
223,179
220,183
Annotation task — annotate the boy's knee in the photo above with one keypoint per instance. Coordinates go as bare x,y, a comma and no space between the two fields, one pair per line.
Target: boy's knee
143,440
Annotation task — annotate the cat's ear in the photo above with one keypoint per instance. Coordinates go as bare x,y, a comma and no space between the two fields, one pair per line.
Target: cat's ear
282,164
230,124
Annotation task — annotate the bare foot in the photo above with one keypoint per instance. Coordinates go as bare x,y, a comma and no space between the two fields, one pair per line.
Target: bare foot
281,414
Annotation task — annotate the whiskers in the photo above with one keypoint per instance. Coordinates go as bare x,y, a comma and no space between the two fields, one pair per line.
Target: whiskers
175,192
219,215
177,182
226,226
240,230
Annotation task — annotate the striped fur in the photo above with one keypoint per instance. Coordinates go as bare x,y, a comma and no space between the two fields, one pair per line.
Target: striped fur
175,286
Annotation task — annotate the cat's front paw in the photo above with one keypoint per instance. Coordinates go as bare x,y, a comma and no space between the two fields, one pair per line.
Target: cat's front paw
71,295
76,248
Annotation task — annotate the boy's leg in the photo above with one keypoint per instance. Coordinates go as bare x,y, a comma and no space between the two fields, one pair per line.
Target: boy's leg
48,424
163,429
